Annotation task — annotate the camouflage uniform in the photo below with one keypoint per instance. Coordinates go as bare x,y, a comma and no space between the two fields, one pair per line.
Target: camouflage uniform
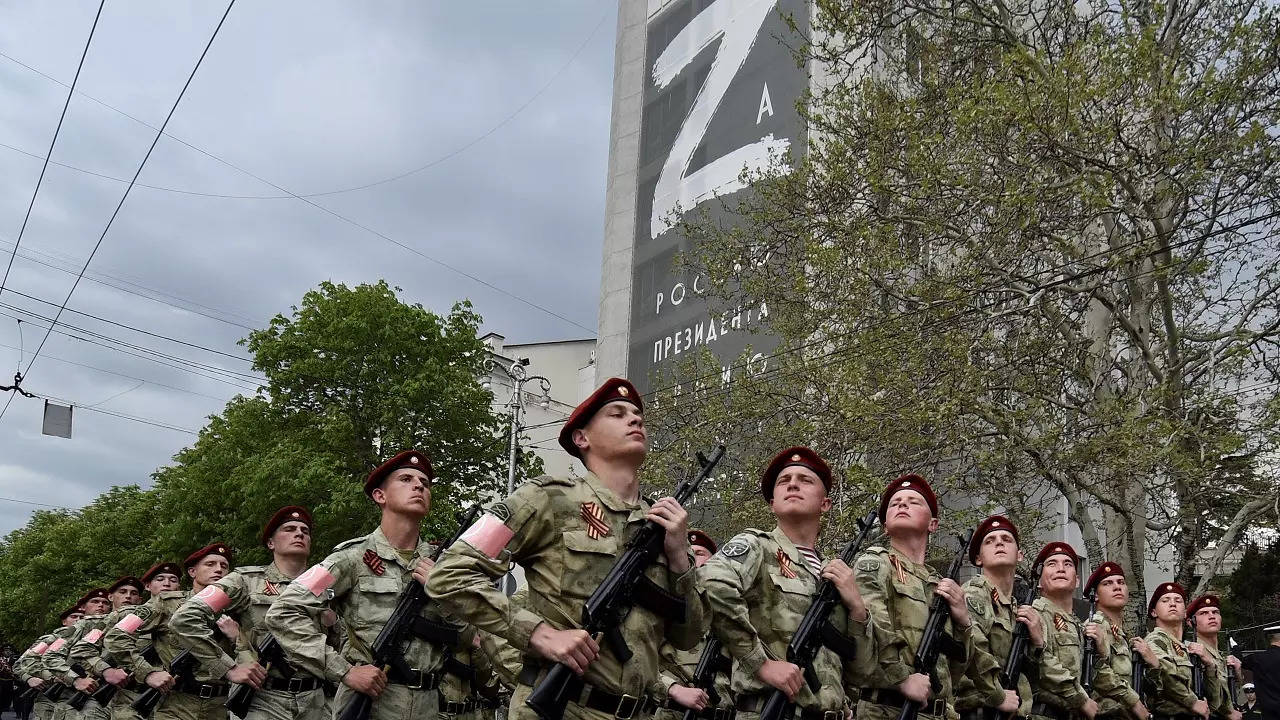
361,580
1113,670
61,664
759,587
678,667
53,669
1174,696
467,684
995,620
1220,702
566,556
29,666
1058,692
250,590
200,697
898,593
89,652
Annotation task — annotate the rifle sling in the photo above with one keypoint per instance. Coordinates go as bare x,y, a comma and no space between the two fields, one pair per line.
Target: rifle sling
459,669
722,664
839,643
658,601
435,632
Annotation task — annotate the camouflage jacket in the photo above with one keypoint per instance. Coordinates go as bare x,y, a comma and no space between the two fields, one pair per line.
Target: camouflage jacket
1114,669
1058,684
995,620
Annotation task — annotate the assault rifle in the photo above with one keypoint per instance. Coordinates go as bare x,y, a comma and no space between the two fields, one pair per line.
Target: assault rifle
815,630
931,640
1021,636
1231,672
704,674
80,698
182,665
1089,658
406,622
270,655
610,603
1197,665
105,694
1138,674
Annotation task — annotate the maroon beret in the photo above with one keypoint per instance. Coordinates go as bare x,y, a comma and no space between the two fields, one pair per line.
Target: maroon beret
908,482
1164,589
799,455
1056,547
93,594
1100,573
985,528
697,537
163,567
613,390
415,459
212,549
128,580
69,612
1204,601
288,513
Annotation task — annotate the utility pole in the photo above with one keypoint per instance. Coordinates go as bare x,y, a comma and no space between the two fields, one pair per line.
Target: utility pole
519,376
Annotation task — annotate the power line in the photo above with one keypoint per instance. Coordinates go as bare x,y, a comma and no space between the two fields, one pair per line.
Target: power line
63,116
120,374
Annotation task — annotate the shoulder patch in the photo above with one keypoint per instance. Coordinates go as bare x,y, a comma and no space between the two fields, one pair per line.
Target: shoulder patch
500,511
734,548
975,606
869,564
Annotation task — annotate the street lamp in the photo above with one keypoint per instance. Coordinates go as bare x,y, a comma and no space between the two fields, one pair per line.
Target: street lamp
519,377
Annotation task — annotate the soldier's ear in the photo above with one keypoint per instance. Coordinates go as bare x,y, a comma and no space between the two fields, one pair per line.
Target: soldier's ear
826,503
579,438
934,524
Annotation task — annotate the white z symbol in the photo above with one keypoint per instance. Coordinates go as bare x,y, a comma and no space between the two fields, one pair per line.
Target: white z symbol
739,22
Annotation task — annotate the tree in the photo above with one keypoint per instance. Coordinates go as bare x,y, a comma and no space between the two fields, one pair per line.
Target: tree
1031,252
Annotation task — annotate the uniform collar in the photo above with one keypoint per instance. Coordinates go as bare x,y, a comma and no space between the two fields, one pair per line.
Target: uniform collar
387,551
985,583
610,499
790,550
274,575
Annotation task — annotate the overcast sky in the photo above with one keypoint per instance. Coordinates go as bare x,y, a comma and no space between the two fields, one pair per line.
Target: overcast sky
312,96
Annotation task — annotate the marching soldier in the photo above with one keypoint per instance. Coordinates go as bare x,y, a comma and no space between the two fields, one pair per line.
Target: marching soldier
245,595
1058,692
362,580
762,583
996,614
675,681
161,578
1205,616
567,533
94,604
85,649
1174,697
1112,689
30,666
196,696
899,587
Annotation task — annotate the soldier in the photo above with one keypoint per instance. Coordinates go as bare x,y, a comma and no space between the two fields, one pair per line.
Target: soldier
94,604
1112,688
996,614
1205,616
31,667
1174,696
199,695
245,595
161,578
1058,693
567,533
676,676
362,580
899,587
760,585
85,647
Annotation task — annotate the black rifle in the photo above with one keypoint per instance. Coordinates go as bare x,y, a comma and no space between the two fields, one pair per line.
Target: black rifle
181,667
105,694
1197,665
29,694
930,648
1231,672
270,655
389,647
610,603
53,691
815,630
1089,658
1139,665
1021,636
80,698
704,674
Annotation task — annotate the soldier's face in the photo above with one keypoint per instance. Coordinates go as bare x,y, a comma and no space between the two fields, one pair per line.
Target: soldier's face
97,606
1170,608
615,431
1113,592
125,596
162,582
799,492
1058,575
72,619
209,570
406,491
1208,620
700,555
291,539
998,549
909,513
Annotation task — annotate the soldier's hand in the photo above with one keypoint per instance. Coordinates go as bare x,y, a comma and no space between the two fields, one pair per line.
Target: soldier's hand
423,569
1201,708
229,627
251,674
1235,715
1010,703
1094,632
1196,648
1234,662
1140,711
785,676
1143,649
115,676
160,680
951,592
1090,709
690,697
328,618
575,648
916,688
1028,616
35,682
367,679
841,575
85,684
675,520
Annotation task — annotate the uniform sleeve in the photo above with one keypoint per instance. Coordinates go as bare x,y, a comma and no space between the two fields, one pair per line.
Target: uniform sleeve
1055,677
127,640
670,671
194,622
1171,686
872,574
463,579
983,667
688,634
726,581
1107,683
294,618
1215,691
56,662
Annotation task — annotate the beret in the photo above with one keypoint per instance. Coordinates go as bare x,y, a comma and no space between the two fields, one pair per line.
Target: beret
799,455
985,528
613,390
908,482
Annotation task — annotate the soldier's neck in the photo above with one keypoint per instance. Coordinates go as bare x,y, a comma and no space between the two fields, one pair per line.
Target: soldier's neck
800,531
1207,639
291,566
912,547
1172,629
1115,615
1002,578
197,587
401,531
1061,599
620,476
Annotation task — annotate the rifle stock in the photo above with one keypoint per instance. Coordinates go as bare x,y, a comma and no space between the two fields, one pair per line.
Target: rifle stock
1021,636
610,603
1089,658
930,647
270,655
1197,666
180,667
704,673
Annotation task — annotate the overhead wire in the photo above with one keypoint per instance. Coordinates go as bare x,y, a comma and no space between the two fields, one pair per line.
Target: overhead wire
157,383
71,91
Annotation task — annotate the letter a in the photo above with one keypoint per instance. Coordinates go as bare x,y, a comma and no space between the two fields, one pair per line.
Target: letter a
766,104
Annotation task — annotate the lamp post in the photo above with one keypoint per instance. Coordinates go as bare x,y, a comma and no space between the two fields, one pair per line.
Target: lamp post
519,377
